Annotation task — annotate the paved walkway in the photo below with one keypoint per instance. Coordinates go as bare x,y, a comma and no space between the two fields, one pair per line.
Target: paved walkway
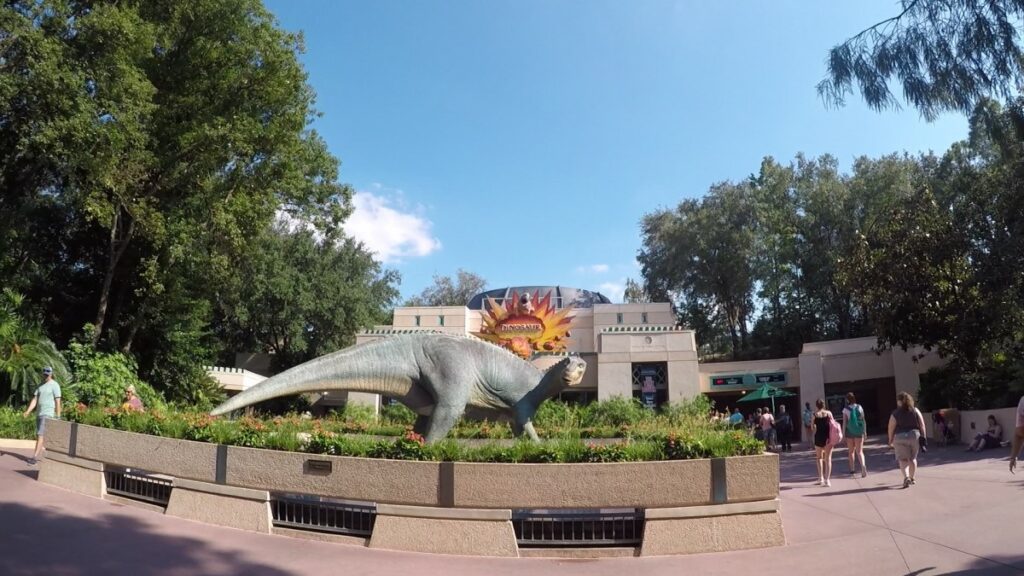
965,516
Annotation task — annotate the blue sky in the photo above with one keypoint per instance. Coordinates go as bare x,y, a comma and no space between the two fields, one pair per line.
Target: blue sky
524,141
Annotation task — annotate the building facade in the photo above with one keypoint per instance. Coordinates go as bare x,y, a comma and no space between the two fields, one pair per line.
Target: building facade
637,350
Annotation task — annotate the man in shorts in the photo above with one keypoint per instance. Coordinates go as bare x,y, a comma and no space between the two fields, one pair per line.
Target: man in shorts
47,399
1018,436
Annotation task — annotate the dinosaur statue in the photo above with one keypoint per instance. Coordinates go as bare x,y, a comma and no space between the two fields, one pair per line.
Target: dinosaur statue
438,376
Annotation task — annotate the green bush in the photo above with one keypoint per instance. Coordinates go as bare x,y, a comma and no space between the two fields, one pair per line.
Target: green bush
101,378
649,439
15,426
615,412
397,414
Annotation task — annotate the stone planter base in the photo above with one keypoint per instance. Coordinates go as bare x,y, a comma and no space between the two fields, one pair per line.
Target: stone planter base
444,531
229,506
720,528
75,474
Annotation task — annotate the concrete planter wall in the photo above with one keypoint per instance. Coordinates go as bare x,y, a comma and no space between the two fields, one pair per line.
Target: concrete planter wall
691,505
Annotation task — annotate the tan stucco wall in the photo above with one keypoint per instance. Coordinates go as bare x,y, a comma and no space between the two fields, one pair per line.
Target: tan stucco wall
750,478
625,484
221,505
436,536
75,474
712,534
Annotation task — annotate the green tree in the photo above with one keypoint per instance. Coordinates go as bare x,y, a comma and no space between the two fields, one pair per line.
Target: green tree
142,144
448,291
24,352
299,297
945,54
702,256
634,293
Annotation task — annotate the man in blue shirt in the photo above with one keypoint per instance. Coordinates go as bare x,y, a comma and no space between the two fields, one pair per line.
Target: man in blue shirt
736,419
47,399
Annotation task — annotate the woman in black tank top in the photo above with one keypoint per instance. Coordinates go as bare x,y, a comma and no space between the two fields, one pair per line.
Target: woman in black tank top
906,427
822,449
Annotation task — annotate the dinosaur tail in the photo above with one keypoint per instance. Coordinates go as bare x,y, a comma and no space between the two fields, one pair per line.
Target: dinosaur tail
376,366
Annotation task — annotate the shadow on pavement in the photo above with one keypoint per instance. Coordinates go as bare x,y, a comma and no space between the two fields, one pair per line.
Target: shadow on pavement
829,492
994,566
107,544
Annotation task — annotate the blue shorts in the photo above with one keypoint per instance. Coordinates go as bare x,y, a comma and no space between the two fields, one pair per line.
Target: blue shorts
41,425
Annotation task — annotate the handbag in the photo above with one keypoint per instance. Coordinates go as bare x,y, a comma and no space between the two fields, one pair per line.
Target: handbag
835,432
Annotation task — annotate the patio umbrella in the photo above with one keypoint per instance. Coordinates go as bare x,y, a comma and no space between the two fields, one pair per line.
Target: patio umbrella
766,392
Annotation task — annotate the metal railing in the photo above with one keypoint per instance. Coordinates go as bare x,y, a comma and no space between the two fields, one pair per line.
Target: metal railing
600,528
322,514
139,485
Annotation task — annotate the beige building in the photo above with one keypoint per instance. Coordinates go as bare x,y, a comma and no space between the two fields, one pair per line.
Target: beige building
637,350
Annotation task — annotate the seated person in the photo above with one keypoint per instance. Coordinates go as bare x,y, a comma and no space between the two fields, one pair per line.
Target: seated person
990,439
132,403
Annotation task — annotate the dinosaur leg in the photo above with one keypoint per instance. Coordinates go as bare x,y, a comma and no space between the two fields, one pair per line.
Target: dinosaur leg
442,420
420,427
523,422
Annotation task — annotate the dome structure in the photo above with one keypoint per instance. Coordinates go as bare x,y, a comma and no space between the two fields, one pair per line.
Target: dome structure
561,296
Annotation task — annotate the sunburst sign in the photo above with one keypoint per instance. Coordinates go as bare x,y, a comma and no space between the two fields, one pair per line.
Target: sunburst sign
525,324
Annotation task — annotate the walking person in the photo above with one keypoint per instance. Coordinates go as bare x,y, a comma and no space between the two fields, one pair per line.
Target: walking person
768,428
906,428
784,429
1018,436
820,428
808,417
855,430
47,400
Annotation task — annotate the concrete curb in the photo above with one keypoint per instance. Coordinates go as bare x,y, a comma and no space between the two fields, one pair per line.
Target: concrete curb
17,444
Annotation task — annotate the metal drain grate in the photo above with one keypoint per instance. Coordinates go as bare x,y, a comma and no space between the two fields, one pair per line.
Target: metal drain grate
139,485
323,514
591,528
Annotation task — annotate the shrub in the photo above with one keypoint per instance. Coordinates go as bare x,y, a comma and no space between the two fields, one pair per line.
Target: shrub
397,414
15,426
101,378
615,412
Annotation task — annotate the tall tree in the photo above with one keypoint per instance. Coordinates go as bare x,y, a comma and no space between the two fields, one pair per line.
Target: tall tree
634,293
448,291
945,54
299,297
702,256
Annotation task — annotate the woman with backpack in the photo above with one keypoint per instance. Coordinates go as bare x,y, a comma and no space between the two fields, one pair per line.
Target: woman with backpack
855,430
824,441
906,428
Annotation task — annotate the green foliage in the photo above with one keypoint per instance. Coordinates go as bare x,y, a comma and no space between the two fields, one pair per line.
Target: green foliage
946,55
24,352
447,291
615,412
15,426
398,414
293,433
101,378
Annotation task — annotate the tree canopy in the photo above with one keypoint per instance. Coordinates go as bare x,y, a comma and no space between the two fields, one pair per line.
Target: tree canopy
448,291
145,148
944,54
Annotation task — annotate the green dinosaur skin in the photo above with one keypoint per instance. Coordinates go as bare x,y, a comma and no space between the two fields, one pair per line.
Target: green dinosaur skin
438,376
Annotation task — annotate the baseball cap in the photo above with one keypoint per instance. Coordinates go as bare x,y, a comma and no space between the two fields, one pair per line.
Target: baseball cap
47,370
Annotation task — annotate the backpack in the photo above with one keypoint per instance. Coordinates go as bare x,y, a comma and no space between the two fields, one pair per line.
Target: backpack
835,432
855,424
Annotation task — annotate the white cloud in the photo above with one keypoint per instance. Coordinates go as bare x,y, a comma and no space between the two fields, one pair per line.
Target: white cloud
388,229
593,269
615,291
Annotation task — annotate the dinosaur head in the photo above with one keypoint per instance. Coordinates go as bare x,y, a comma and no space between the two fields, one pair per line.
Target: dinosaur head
572,369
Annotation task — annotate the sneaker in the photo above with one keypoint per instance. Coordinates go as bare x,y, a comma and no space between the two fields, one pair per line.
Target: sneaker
32,462
913,482
828,483
820,482
863,473
906,482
